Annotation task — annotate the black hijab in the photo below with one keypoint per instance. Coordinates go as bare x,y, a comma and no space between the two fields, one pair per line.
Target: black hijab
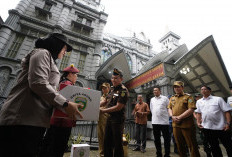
52,44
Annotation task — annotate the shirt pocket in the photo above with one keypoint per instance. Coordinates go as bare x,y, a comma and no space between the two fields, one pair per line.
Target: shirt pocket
213,108
184,104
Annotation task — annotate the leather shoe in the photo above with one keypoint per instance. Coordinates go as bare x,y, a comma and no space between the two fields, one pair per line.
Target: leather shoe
143,150
136,149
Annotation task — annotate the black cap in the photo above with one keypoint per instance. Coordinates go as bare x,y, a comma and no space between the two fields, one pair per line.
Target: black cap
62,38
117,72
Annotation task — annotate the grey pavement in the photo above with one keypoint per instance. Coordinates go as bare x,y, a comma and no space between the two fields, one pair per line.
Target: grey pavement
150,151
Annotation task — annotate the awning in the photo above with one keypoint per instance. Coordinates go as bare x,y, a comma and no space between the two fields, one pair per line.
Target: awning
203,65
118,60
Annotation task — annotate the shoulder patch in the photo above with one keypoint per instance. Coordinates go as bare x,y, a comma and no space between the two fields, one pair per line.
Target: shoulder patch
190,100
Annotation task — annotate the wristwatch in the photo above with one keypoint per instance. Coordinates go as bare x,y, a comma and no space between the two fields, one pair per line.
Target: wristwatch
65,104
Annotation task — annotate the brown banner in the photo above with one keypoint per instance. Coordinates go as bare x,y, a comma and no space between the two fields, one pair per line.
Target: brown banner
146,77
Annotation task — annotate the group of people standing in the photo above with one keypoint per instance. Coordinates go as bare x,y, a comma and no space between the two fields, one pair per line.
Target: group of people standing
34,104
213,117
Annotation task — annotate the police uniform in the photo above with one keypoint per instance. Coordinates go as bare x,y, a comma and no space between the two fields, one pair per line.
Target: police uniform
185,130
113,144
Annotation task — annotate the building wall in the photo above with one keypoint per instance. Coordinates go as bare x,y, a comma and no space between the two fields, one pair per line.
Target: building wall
24,25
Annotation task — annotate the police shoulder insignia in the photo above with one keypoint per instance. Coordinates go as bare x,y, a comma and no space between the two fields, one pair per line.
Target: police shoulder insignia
190,100
123,94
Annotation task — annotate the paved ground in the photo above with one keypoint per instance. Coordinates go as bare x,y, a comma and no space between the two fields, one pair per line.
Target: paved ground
150,151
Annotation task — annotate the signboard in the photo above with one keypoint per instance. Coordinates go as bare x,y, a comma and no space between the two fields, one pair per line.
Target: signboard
146,77
89,98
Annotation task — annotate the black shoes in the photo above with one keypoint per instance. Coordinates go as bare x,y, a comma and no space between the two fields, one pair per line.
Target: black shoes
143,150
136,149
139,149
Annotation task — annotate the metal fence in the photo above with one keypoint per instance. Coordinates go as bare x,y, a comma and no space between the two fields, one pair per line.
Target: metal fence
88,130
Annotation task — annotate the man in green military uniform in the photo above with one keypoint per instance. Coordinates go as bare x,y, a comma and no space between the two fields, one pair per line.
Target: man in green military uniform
116,104
181,107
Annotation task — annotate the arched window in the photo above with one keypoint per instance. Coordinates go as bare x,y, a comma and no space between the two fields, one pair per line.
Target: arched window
129,61
105,54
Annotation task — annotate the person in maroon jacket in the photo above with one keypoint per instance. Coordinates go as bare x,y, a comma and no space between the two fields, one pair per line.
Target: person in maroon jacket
57,136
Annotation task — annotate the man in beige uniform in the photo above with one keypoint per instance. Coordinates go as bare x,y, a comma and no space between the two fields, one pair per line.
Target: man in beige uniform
181,107
101,126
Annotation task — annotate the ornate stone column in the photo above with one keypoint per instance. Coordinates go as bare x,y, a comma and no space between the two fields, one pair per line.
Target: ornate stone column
65,12
22,6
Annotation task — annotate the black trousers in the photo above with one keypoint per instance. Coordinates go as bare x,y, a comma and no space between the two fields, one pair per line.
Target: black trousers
113,144
157,129
213,137
55,141
20,141
141,135
206,145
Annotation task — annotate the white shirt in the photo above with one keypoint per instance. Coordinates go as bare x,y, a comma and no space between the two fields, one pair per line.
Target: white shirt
212,111
229,101
159,110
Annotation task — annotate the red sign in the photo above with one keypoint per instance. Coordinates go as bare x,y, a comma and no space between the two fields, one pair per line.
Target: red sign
146,77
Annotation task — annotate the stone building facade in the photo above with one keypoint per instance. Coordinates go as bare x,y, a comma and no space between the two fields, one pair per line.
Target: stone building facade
82,21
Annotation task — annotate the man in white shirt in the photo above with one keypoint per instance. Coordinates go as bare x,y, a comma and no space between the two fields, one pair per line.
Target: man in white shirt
229,99
160,121
213,115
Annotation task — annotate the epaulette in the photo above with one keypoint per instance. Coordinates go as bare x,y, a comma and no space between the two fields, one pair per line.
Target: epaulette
124,87
187,94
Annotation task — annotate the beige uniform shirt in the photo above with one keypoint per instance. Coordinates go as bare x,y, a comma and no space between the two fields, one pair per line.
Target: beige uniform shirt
179,104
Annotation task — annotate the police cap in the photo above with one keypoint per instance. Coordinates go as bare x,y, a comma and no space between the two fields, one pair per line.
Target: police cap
117,72
105,85
178,83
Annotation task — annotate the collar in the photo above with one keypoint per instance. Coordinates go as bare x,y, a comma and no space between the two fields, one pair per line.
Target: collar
209,97
139,103
158,96
118,86
178,95
105,95
66,79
